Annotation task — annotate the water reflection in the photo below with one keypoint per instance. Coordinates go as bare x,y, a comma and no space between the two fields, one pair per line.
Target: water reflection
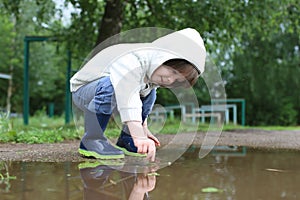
109,181
232,173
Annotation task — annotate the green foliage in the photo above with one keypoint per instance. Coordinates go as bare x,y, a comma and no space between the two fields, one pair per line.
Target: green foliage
4,122
287,114
266,74
8,136
42,129
39,136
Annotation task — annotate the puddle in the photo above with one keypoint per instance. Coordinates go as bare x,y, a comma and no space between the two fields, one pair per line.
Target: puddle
227,173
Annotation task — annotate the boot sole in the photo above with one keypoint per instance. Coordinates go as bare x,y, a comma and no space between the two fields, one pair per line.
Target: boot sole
99,156
129,153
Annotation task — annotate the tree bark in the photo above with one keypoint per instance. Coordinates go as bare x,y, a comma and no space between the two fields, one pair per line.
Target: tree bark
11,71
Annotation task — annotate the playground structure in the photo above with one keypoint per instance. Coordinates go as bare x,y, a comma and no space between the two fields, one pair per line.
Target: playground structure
219,108
8,77
27,41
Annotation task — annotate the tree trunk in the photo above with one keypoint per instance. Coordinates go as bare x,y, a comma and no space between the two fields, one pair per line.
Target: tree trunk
11,71
111,23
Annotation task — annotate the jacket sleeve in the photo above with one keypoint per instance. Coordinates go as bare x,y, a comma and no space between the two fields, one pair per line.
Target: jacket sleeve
127,76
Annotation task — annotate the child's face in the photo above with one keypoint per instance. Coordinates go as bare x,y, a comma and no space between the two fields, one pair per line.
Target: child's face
165,76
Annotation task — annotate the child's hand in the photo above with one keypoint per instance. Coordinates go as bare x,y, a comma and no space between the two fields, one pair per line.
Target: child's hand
141,140
145,145
151,136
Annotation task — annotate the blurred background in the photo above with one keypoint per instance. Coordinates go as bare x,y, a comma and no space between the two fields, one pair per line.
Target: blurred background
255,45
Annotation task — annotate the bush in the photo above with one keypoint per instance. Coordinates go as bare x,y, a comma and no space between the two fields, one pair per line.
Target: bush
287,115
5,124
41,129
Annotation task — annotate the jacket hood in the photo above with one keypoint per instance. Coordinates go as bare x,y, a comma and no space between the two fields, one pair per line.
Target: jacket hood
186,44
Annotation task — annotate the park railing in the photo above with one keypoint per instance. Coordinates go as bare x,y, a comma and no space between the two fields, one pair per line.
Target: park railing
219,109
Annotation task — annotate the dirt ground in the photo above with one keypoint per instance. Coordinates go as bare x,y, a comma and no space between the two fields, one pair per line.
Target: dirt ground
67,151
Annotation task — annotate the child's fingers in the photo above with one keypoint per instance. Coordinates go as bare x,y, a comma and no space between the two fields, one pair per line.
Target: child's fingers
156,141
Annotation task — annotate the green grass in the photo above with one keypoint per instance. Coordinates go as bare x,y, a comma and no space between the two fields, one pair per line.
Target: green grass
42,129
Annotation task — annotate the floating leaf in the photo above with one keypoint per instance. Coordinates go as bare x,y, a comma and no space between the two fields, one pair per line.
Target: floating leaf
275,170
112,182
211,190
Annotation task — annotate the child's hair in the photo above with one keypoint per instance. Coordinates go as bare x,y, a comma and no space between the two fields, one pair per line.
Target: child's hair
186,69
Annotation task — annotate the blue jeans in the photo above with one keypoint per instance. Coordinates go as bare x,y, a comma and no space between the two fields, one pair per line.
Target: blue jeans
97,101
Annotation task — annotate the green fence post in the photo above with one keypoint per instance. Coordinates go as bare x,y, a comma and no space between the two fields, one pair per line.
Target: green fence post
26,84
68,93
51,109
243,112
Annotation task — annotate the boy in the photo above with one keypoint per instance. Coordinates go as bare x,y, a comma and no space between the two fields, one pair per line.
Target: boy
129,81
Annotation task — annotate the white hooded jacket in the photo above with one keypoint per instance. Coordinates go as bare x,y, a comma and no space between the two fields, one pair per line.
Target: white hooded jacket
130,67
